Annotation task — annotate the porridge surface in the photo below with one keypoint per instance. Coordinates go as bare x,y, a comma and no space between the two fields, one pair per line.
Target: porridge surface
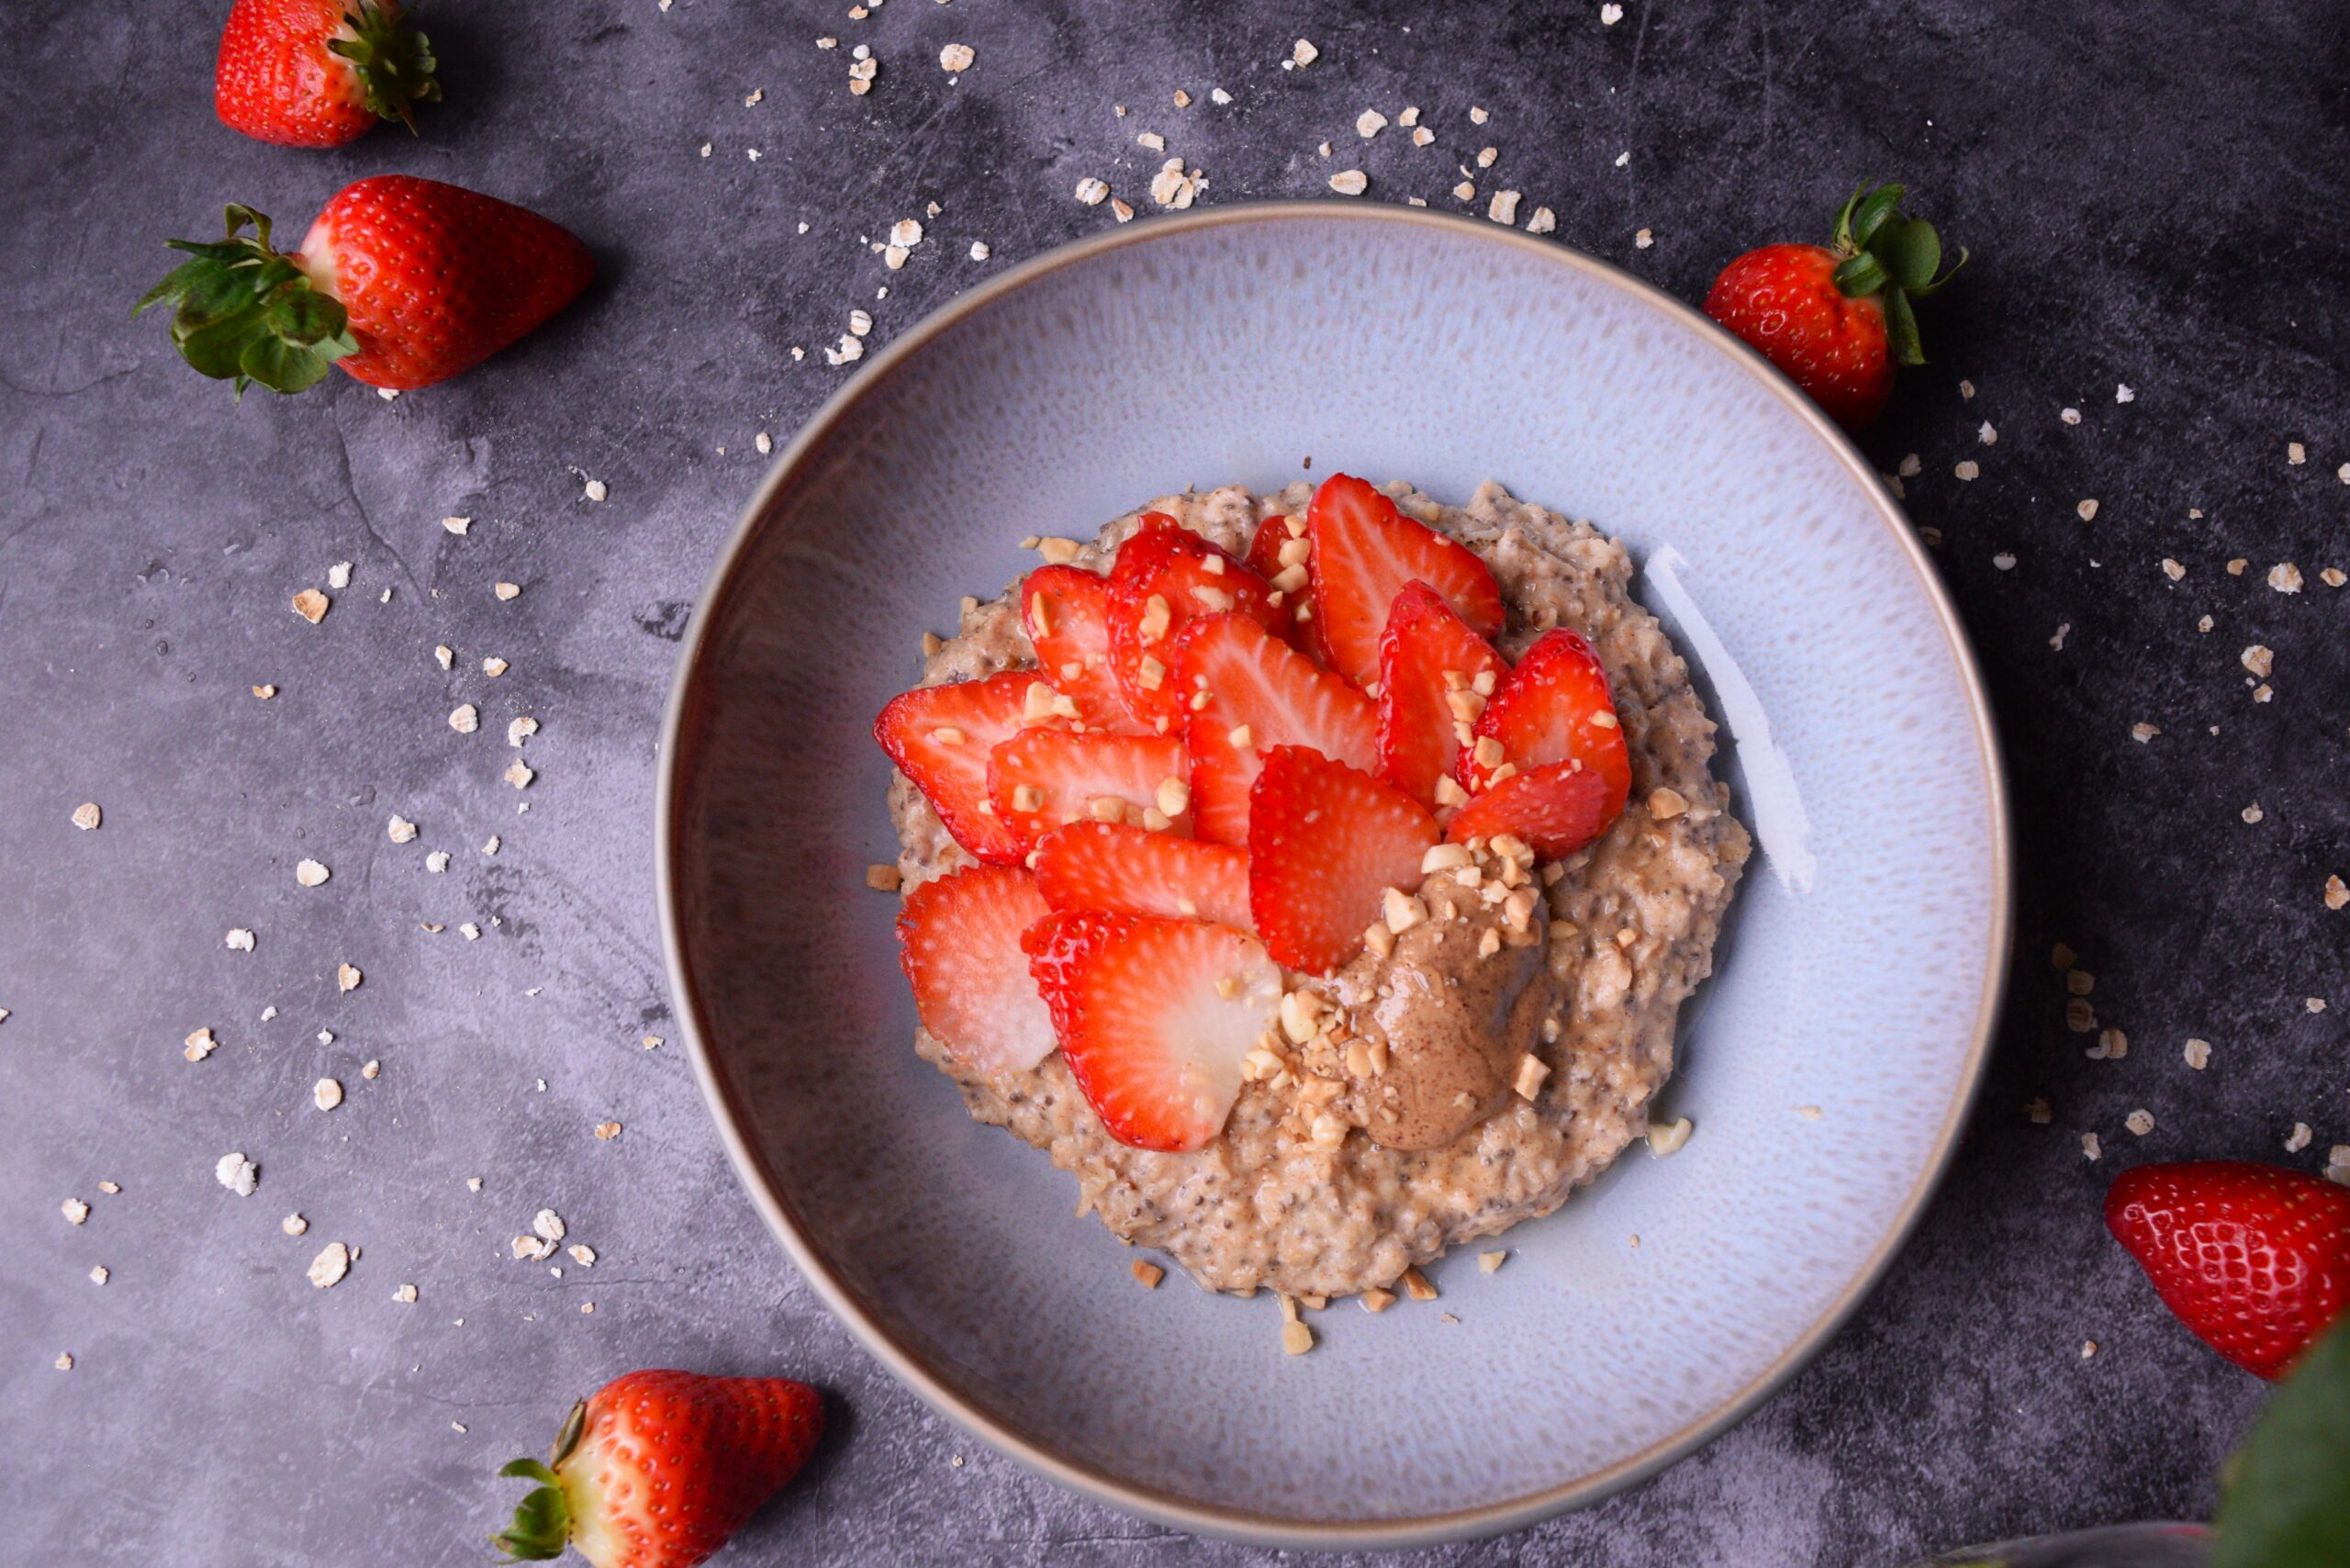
1632,924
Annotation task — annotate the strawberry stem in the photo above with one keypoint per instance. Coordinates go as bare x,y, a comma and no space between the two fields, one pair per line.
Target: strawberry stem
245,313
393,64
1889,254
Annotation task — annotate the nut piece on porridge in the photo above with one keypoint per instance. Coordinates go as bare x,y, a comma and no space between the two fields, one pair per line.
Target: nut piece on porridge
1268,860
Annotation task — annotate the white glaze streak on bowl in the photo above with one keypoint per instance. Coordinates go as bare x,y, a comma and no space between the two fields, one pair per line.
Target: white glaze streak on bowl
1230,345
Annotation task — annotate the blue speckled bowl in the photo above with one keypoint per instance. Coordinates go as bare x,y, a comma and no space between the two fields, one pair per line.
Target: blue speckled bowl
1828,1066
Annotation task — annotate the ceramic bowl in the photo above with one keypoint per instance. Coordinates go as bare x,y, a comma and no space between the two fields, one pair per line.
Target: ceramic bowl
1828,1066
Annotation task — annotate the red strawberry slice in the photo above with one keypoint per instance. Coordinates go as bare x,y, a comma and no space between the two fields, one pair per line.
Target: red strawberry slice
1326,841
1282,553
1435,677
1131,871
1364,551
1164,577
1040,779
940,737
1264,556
2255,1258
1058,945
1556,809
1066,612
1259,693
1553,708
958,938
1160,1015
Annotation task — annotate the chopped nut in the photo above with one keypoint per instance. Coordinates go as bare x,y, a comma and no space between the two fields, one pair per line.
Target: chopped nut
1147,1275
1664,804
1402,911
1489,1262
883,878
1296,1338
1531,1072
1416,1286
1669,1137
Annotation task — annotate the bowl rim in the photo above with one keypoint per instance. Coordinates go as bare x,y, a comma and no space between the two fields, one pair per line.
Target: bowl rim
1091,1481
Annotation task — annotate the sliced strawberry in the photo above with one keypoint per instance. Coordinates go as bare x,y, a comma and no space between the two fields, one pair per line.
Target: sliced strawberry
1556,809
1160,1014
1164,577
1058,945
958,938
1040,779
1553,708
1326,841
1264,556
1259,693
1131,871
1364,551
1066,612
940,737
1282,553
1435,677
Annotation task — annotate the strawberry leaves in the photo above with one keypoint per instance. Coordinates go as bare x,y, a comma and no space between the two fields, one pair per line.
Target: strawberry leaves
2282,1503
394,65
1885,252
243,313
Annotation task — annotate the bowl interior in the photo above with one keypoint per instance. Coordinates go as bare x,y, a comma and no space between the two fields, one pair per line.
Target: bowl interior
1825,1065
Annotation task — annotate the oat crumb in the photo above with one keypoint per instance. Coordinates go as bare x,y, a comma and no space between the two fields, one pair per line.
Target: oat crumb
331,1265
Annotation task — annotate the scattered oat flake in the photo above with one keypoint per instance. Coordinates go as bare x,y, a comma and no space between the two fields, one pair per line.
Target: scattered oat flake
955,58
651,1042
100,1273
2285,577
2174,570
2197,1054
237,1173
2143,732
265,691
464,718
437,862
1968,470
596,489
2300,1139
310,873
506,590
2123,394
347,976
1349,182
1642,240
2004,561
2090,1147
199,1045
2336,893
239,939
906,232
74,1210
311,605
2036,1112
2140,1123
1369,123
1465,191
1488,1261
1610,13
1543,221
547,1225
64,1362
1091,192
1808,1113
1422,135
1121,209
1302,54
494,667
2252,815
980,252
331,1265
2333,576
469,931
1988,435
518,774
2070,415
1503,208
326,1093
608,1130
2295,454
86,815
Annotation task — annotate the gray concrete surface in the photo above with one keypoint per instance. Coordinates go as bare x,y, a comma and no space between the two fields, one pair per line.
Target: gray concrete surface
2154,194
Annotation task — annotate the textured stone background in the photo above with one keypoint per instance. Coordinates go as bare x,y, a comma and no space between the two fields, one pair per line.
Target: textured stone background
2154,196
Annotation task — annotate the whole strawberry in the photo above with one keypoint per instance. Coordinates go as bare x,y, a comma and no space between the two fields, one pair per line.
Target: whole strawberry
402,282
658,1469
1835,318
2255,1258
318,72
